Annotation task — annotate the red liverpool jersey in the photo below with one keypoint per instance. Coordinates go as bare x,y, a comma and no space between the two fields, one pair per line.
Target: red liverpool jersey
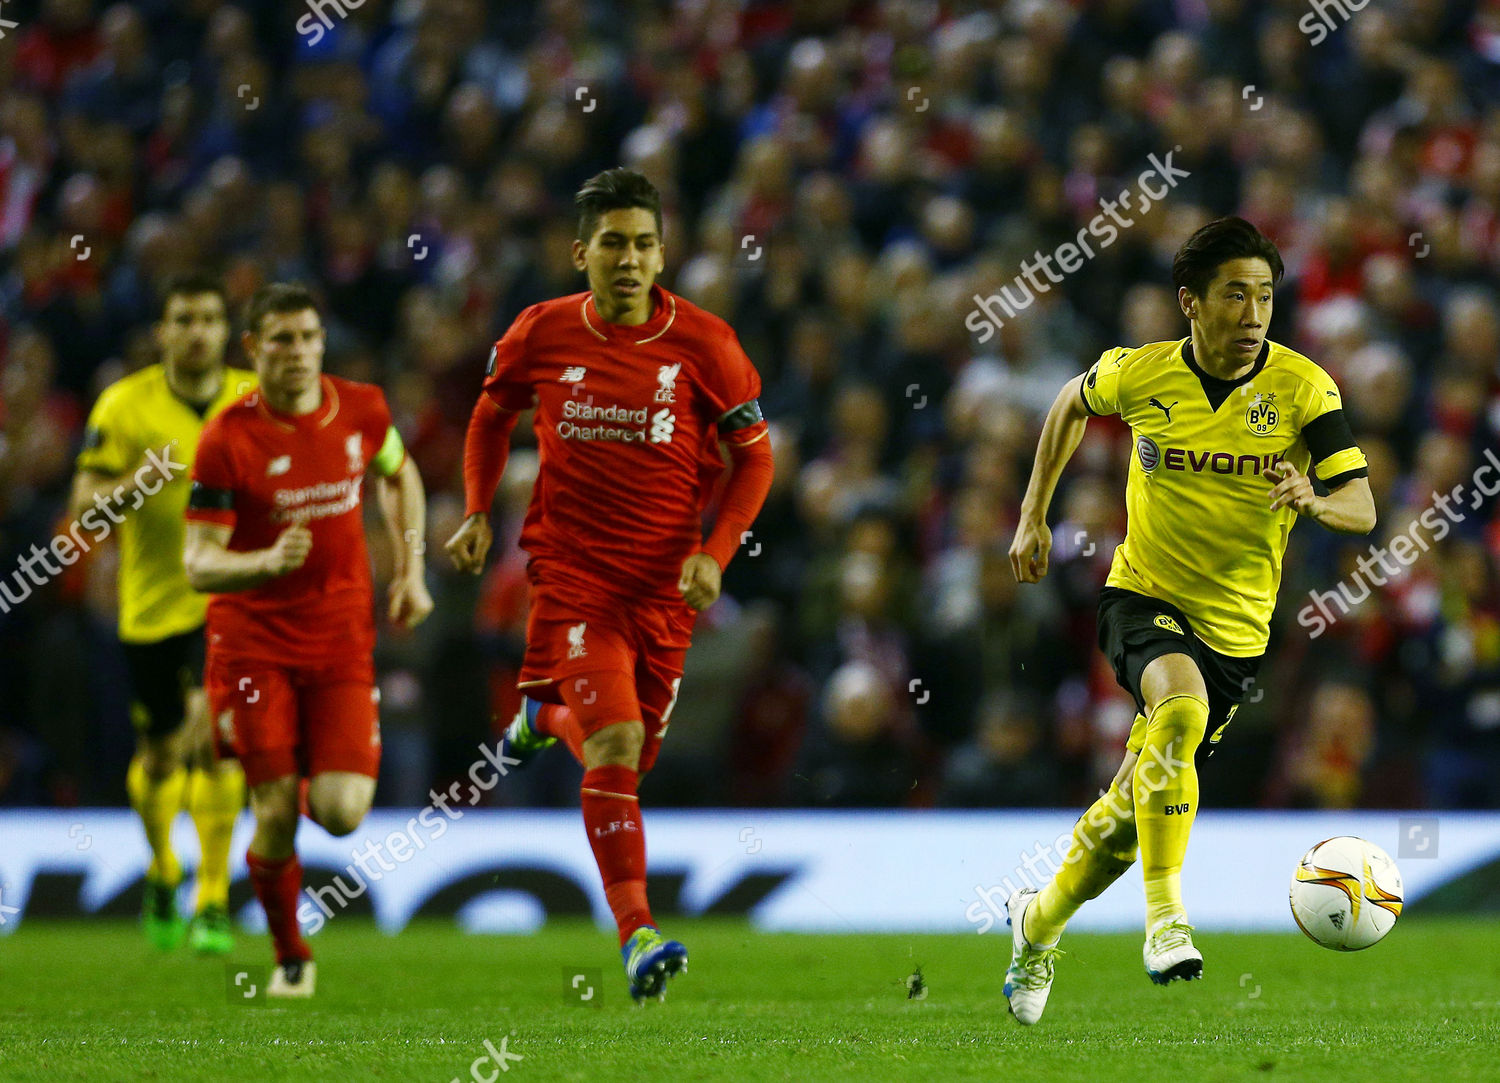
628,421
259,471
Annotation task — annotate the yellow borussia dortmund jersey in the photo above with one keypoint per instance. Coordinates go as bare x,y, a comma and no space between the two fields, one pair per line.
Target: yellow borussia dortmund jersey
1201,534
137,413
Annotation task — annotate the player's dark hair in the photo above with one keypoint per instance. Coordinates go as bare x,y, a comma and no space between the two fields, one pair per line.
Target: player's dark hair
190,284
280,298
614,190
1221,240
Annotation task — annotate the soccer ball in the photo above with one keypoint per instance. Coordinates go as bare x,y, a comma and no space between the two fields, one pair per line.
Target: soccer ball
1346,893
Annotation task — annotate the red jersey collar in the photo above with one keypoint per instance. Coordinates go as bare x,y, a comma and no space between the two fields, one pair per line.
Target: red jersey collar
664,313
325,413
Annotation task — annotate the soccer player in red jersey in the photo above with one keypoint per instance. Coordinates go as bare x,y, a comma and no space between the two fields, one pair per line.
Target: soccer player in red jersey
639,396
275,533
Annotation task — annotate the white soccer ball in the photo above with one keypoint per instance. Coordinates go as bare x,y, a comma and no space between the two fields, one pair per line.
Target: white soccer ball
1346,893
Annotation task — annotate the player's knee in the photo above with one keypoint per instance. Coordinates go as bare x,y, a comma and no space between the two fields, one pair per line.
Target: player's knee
338,820
615,745
275,809
158,757
1182,717
337,813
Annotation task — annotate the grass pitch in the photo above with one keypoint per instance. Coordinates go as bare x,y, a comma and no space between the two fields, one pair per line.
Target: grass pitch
90,1001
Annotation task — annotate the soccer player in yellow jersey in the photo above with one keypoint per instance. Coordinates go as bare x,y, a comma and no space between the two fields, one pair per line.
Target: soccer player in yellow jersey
134,466
1229,430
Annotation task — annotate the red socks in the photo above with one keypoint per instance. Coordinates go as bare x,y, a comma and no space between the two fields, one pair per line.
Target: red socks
277,885
555,720
612,818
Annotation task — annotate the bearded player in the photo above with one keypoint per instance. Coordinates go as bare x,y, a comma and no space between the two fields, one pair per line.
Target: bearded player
1229,430
275,534
640,397
158,413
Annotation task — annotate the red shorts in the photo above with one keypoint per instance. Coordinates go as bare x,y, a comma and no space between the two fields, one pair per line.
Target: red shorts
296,720
607,661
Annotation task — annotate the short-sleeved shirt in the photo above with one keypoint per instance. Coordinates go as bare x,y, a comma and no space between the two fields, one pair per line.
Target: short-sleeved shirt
259,471
628,422
1201,534
134,415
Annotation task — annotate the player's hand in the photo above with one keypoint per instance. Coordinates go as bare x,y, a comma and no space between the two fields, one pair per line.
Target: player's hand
1293,489
471,543
290,550
410,602
1029,551
699,581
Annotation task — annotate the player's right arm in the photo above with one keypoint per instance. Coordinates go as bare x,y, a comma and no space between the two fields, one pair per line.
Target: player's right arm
486,448
1061,434
213,568
506,392
111,467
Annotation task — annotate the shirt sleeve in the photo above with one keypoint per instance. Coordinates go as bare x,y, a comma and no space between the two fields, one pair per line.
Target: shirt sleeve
1336,458
731,392
1101,385
107,448
507,374
211,499
380,434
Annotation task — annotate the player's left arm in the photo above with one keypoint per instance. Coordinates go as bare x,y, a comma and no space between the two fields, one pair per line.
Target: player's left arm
1349,507
403,504
731,387
751,468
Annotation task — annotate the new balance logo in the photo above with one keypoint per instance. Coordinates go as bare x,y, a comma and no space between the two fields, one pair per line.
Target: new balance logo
1153,401
662,425
666,378
576,649
572,374
279,465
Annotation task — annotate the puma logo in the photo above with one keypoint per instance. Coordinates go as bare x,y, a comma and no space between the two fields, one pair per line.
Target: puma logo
1154,401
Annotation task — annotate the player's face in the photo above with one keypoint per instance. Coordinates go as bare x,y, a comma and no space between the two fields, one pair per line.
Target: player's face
288,353
192,332
1234,312
622,259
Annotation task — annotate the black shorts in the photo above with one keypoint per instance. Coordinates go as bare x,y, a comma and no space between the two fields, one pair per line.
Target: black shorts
160,675
1136,629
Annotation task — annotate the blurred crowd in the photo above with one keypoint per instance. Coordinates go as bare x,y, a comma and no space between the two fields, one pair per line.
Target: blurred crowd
843,182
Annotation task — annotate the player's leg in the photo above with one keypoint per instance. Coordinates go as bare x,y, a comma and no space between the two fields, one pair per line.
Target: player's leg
255,706
531,731
276,875
338,801
156,781
1103,846
1165,785
339,706
215,796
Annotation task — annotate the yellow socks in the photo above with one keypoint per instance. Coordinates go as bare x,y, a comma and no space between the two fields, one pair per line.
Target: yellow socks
158,801
1165,788
215,798
1103,847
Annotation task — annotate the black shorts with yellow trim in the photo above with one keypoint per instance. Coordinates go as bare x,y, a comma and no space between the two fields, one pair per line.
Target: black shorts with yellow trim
161,675
1136,629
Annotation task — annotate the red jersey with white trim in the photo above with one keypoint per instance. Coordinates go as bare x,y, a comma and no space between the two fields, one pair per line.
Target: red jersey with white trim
628,421
258,471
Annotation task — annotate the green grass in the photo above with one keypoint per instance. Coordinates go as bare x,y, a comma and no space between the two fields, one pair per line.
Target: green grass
89,1001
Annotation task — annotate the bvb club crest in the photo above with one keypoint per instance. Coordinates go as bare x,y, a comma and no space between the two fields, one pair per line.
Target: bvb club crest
1262,416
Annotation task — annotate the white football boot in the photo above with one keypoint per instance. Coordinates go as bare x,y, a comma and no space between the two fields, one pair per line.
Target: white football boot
1169,951
1029,979
293,979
